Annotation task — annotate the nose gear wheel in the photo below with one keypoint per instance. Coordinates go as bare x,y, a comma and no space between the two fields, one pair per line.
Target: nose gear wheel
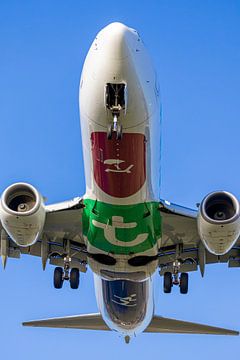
119,132
110,130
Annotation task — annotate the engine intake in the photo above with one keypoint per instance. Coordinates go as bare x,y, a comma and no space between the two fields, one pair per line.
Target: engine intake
22,213
219,222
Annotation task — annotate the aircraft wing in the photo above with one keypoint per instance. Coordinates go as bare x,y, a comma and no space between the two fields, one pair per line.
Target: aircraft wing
179,227
61,233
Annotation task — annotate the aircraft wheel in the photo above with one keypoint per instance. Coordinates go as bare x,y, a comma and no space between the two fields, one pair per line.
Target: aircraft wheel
109,131
184,283
167,282
74,278
58,278
119,132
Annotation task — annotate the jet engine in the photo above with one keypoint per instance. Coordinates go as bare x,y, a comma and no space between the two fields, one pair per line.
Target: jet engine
219,222
22,213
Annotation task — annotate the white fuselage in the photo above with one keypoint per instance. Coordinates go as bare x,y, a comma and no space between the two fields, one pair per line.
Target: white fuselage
117,55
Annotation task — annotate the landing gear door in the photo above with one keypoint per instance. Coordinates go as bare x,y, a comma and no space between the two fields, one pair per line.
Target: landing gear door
125,98
105,99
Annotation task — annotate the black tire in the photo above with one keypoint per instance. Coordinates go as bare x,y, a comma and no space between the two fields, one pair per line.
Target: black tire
167,283
74,278
58,278
184,283
119,132
109,131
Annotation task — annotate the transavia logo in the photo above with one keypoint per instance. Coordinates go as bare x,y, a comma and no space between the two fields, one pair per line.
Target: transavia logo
117,223
122,229
119,166
116,168
126,301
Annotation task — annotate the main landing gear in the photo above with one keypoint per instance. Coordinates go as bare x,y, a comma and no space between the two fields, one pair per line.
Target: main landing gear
171,279
174,277
61,274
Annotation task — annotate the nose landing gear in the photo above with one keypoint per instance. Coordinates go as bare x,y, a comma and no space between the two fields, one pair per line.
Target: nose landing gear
115,98
115,127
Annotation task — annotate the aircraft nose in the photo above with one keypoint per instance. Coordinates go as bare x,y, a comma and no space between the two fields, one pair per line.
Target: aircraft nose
116,39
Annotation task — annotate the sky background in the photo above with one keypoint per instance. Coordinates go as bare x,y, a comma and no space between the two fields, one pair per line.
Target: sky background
195,46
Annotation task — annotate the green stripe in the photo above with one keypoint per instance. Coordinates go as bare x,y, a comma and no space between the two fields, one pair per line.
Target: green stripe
145,216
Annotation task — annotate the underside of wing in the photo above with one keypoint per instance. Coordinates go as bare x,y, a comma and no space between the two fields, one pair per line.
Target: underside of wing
61,237
178,225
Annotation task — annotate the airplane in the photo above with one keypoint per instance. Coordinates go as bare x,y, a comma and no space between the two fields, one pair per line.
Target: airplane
121,228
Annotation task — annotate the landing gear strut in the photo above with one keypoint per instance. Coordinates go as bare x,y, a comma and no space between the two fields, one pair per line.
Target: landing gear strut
115,102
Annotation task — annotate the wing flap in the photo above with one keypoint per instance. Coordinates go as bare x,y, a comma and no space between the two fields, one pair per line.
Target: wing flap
165,325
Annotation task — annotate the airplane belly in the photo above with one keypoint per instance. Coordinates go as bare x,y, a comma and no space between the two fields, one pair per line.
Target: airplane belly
119,166
126,305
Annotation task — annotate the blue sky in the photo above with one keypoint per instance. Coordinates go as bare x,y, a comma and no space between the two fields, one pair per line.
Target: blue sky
195,46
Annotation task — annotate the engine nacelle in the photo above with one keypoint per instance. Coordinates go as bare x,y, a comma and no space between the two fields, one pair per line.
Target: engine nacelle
219,222
22,213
